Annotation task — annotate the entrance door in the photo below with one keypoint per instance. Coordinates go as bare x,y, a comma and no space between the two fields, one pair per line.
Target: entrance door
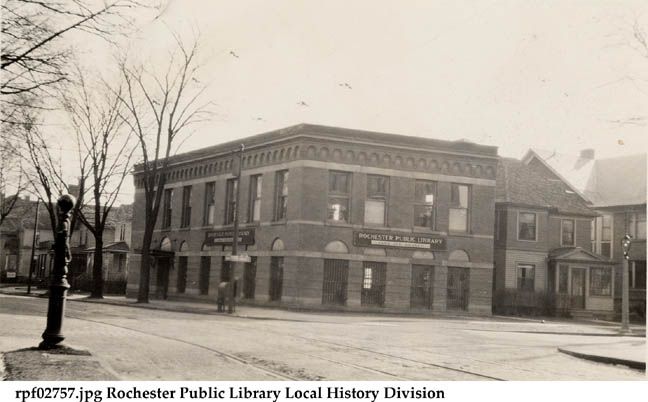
458,288
421,291
336,278
276,278
578,288
163,265
203,278
181,284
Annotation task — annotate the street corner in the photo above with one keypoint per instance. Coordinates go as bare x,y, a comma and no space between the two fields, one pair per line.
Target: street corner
57,364
629,353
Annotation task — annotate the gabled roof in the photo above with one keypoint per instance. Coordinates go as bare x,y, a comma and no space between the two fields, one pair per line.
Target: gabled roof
571,169
618,181
602,182
518,183
576,254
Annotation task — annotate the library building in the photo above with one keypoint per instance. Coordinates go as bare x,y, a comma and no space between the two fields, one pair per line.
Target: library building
329,218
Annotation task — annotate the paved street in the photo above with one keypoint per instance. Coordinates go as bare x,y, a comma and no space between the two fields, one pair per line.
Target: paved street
142,344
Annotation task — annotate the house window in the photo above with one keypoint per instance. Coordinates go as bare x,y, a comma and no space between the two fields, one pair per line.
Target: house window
606,236
526,277
281,195
459,208
210,203
638,225
600,281
338,196
527,226
166,209
638,275
254,212
567,232
424,210
593,235
185,220
230,200
375,204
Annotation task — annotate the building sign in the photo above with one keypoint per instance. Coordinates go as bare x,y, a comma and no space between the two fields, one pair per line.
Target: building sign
226,237
399,240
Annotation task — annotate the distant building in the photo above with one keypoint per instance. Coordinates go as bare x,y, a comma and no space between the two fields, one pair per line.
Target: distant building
543,262
16,235
331,218
616,189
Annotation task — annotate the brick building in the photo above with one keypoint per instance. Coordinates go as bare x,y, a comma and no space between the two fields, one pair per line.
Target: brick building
331,217
543,261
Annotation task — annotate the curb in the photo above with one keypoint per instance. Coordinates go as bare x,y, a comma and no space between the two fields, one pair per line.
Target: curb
637,365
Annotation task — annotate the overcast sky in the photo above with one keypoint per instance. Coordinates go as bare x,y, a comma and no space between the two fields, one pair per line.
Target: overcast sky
516,74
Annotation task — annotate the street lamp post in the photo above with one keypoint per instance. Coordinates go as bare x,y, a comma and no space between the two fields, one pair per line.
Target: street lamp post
59,285
625,291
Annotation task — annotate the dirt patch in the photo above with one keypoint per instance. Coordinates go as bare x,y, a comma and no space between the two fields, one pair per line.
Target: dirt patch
296,373
64,364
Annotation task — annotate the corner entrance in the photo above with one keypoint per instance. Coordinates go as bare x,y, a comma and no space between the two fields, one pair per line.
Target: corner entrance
458,288
421,291
336,278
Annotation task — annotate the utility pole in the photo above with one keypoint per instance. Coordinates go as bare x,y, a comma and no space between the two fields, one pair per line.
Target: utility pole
234,262
626,242
33,248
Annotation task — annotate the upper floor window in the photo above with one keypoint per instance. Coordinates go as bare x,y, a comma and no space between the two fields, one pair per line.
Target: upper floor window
339,195
567,232
601,235
424,210
230,200
638,225
527,225
281,195
254,212
459,208
166,208
210,203
375,204
526,276
185,220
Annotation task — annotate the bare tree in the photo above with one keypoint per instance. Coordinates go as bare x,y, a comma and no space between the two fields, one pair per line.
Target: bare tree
105,147
158,109
11,179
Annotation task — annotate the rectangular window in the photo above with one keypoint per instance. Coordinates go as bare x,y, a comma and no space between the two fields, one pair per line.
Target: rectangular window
166,208
181,283
527,226
563,279
638,225
424,206
526,277
638,277
459,208
606,236
185,220
281,195
230,200
210,203
375,204
567,232
600,281
593,235
339,195
254,210
276,278
373,284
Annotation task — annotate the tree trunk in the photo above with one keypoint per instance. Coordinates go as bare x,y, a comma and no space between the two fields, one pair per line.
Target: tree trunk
97,270
145,267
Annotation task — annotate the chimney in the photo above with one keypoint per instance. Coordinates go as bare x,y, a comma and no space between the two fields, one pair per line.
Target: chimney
587,153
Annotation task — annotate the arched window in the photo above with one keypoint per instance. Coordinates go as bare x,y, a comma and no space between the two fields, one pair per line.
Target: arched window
166,245
459,255
184,246
336,246
278,245
423,255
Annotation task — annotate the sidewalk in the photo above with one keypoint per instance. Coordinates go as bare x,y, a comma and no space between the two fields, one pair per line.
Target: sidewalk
629,350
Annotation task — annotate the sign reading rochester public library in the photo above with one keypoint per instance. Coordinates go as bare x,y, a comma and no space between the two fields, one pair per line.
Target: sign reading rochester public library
399,240
226,237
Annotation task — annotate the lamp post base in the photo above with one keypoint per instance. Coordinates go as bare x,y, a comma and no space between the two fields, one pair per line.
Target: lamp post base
52,335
